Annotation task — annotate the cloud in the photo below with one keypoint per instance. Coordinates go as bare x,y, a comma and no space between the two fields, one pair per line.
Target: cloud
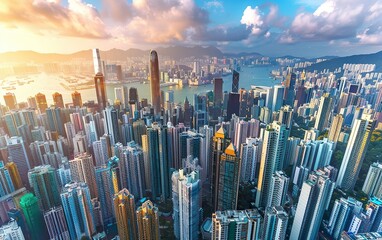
214,4
78,19
349,20
156,21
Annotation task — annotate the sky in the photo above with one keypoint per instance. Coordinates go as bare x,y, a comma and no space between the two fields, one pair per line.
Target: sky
307,28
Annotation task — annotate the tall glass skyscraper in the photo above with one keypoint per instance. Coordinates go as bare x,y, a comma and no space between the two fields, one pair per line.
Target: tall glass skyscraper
186,189
229,178
155,82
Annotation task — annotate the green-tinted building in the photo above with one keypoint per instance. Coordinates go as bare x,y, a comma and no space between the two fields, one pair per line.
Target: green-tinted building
33,217
45,186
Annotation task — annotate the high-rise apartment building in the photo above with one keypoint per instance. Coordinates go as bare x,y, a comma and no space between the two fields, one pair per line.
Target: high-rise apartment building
58,101
43,181
342,213
82,170
78,209
76,99
105,192
275,223
278,189
10,101
272,156
148,221
41,102
11,231
324,110
33,217
18,154
335,128
56,224
237,225
124,207
250,155
372,185
186,193
354,153
313,201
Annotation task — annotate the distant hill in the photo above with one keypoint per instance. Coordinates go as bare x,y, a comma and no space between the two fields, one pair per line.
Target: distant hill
373,58
174,52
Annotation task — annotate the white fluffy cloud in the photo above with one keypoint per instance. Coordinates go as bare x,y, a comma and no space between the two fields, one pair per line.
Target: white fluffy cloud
352,20
77,19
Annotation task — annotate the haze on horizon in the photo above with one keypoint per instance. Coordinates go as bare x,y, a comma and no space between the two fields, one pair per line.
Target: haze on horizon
297,27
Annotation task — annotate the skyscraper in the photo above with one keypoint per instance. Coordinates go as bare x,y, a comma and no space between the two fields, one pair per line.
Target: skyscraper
186,195
236,225
57,100
14,174
105,192
33,217
11,231
278,96
41,102
275,223
76,98
235,81
272,156
324,111
112,124
45,186
354,153
229,174
6,183
250,155
342,213
100,86
82,170
78,209
97,61
373,182
133,169
10,101
314,200
220,142
56,224
218,91
18,154
148,221
155,82
124,207
278,189
335,128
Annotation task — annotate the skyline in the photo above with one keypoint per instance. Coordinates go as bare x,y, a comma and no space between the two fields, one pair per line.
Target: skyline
301,27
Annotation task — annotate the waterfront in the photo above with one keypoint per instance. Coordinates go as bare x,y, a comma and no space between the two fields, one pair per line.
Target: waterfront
50,83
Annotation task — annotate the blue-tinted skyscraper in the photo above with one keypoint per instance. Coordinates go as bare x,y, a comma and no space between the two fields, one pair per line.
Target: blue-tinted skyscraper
18,154
105,192
186,202
78,210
